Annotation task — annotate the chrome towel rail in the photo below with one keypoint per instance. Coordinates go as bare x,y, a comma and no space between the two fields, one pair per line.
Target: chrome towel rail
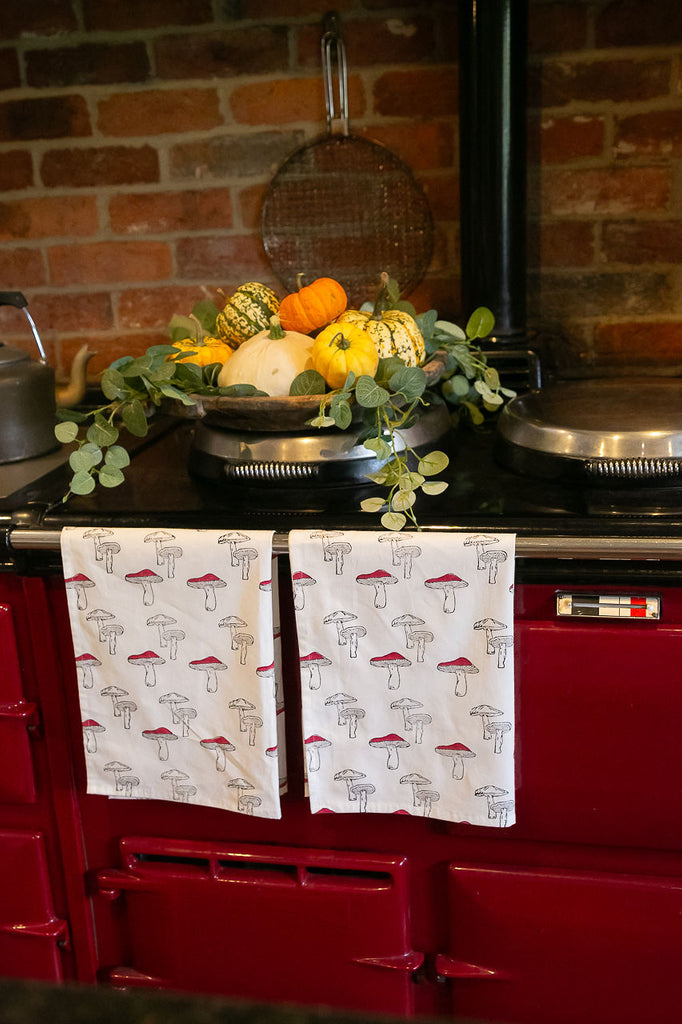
608,548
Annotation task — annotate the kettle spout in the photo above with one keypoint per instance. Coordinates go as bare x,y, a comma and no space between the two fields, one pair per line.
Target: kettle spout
73,392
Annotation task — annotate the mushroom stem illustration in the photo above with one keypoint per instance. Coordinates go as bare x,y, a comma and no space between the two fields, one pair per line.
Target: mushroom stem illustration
163,737
145,578
210,666
390,743
221,747
459,752
209,583
379,579
393,661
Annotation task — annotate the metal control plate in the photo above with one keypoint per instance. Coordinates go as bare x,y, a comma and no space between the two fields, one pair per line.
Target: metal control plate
612,606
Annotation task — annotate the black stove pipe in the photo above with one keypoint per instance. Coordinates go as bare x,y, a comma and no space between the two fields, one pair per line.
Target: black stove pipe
493,50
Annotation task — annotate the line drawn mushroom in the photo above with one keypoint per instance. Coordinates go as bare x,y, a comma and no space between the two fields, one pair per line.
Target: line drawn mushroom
114,692
416,781
351,717
128,783
117,769
111,632
339,618
163,737
338,549
248,802
233,538
391,743
158,538
406,554
268,672
405,705
90,729
418,722
420,638
490,793
349,776
174,700
351,634
241,642
408,622
244,558
461,667
339,701
145,578
149,660
110,548
241,785
501,809
85,664
393,661
185,715
498,730
99,616
313,745
209,583
459,752
449,583
301,580
312,663
221,746
210,666
501,644
396,541
169,557
160,622
480,541
491,560
326,536
379,579
361,790
126,708
79,584
251,723
426,798
172,638
490,627
97,534
174,776
486,712
233,623
241,705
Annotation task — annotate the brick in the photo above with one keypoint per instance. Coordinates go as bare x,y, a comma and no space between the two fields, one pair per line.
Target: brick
114,165
100,262
391,40
562,243
89,64
249,203
218,257
16,170
156,212
655,133
62,311
422,145
634,343
21,268
639,23
603,294
605,191
563,139
9,70
160,111
48,216
417,93
643,242
556,27
289,9
237,155
443,293
142,308
50,117
442,193
243,51
617,81
49,17
122,15
289,99
108,347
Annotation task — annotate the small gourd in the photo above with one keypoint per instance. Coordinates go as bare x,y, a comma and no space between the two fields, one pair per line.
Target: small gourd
269,360
395,332
246,313
313,305
202,352
340,348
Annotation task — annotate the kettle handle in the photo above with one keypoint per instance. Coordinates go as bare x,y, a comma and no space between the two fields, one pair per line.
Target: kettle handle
13,299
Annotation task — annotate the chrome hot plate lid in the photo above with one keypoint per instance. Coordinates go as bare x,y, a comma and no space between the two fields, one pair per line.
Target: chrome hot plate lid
615,429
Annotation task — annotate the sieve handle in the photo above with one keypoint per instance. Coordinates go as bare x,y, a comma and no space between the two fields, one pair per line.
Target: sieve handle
334,57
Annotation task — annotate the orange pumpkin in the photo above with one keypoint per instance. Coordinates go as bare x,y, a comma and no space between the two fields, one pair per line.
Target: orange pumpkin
312,306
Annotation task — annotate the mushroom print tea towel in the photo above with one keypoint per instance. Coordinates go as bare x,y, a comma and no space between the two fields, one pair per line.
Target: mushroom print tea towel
178,664
407,672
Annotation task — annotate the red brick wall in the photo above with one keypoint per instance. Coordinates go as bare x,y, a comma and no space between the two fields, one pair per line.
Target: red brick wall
137,138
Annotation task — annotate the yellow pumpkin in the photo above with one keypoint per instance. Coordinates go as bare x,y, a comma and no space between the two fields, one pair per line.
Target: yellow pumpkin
395,333
202,353
246,313
340,348
269,360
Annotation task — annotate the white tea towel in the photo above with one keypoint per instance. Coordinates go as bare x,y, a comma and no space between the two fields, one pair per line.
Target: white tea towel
407,672
176,654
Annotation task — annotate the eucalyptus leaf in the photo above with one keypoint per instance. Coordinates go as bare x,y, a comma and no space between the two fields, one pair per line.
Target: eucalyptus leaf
66,432
341,412
182,327
377,445
134,418
321,421
170,392
206,313
403,500
393,521
110,476
434,462
480,323
369,394
117,456
432,487
82,483
101,432
309,382
136,367
85,458
372,504
409,381
113,384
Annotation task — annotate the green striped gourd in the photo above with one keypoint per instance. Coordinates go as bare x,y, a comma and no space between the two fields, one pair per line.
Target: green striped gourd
246,313
395,333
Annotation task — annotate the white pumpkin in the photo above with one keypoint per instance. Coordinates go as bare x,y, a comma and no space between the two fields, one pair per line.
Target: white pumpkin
270,360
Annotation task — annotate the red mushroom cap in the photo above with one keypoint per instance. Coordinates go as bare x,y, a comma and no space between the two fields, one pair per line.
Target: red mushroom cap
216,741
143,574
390,737
145,656
209,577
90,723
78,578
460,747
158,732
378,574
209,662
388,659
449,577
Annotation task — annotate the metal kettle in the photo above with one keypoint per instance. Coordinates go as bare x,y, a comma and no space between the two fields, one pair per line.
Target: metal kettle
28,395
